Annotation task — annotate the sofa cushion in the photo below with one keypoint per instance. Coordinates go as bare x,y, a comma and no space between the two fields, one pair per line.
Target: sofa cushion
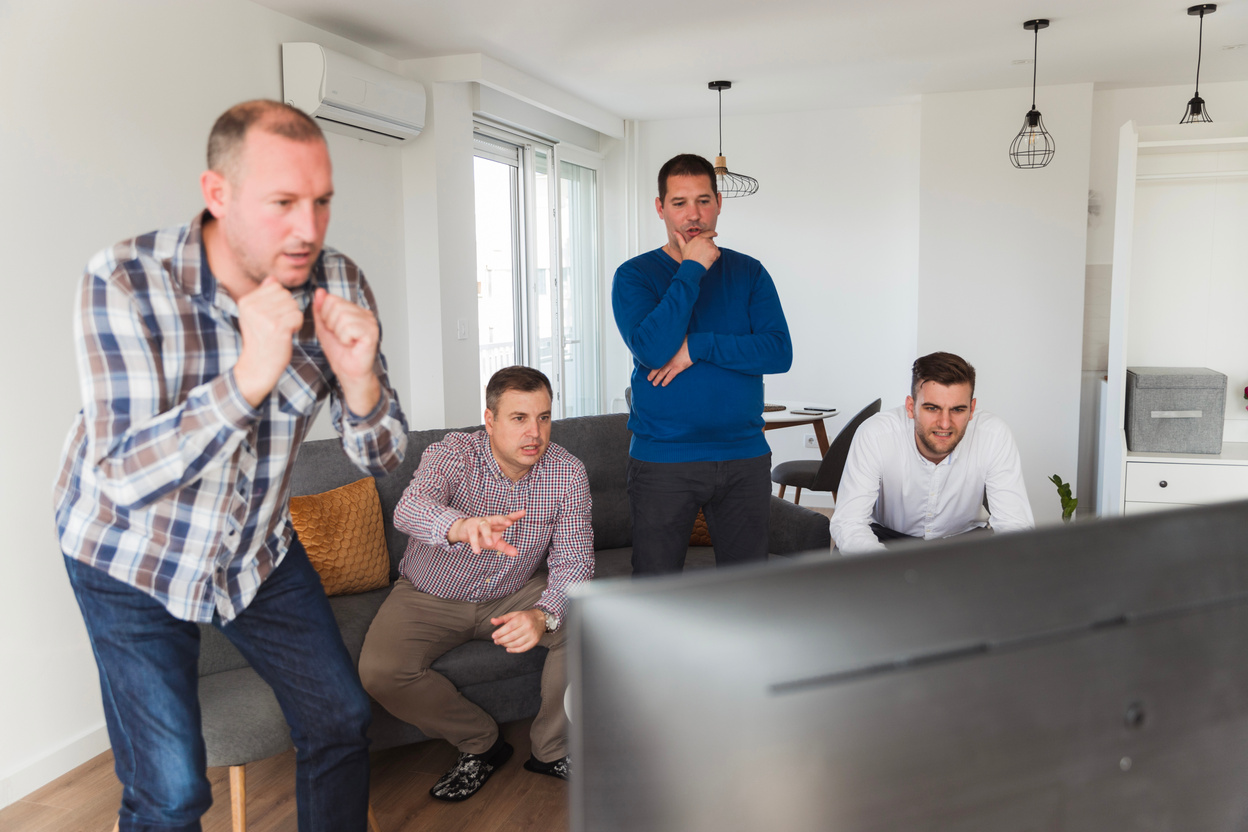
344,534
601,444
241,719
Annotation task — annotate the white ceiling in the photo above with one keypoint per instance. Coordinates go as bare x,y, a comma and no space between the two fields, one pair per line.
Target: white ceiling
649,59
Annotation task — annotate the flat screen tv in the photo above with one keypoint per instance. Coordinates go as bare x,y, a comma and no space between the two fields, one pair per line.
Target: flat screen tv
1092,677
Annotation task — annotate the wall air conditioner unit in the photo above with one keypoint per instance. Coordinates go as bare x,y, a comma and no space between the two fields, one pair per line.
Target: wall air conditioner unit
350,97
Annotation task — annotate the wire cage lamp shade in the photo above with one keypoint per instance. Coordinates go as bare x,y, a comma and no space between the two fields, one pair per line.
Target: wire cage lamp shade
1197,112
1033,147
728,184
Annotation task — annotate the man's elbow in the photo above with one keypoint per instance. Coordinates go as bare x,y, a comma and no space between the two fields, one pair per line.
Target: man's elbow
783,360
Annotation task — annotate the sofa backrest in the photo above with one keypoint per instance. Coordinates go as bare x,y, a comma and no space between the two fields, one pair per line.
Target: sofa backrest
600,442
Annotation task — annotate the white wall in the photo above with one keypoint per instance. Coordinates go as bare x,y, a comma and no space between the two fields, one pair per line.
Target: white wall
835,222
105,118
1001,266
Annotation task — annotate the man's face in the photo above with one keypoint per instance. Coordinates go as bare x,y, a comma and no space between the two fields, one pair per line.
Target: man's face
274,210
520,431
689,208
940,416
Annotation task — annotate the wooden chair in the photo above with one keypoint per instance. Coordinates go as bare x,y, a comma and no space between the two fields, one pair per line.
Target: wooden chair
825,474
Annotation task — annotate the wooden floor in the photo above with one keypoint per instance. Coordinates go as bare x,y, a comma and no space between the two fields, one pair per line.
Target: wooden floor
86,799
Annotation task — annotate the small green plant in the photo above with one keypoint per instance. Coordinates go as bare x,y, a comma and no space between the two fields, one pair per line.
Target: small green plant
1068,502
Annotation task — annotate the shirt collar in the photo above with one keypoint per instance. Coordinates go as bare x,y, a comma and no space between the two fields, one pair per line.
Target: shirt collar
198,280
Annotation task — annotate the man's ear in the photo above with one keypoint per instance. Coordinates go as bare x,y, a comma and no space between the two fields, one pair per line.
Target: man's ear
972,416
216,189
488,417
910,406
658,206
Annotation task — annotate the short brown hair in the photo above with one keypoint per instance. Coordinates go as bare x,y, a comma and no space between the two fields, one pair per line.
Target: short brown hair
944,368
686,164
230,130
518,377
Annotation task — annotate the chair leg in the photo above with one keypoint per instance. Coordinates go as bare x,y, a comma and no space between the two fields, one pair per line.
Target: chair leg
782,487
238,803
238,797
797,497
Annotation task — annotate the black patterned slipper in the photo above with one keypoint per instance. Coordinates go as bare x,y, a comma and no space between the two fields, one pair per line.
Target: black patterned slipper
470,773
559,768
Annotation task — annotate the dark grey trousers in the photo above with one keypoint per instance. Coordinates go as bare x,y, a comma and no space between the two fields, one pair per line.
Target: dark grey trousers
735,496
889,536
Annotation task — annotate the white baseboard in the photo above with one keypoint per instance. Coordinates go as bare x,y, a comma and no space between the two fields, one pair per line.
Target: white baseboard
17,784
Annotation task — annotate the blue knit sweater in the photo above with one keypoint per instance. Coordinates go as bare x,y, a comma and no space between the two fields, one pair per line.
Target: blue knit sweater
737,332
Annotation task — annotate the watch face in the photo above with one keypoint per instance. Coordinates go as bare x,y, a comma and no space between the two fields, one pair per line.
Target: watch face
552,623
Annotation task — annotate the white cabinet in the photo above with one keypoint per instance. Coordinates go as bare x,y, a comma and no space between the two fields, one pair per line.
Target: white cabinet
1158,481
1177,300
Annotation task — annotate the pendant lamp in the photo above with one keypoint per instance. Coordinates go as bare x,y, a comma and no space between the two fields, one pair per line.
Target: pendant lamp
1196,110
727,182
1033,147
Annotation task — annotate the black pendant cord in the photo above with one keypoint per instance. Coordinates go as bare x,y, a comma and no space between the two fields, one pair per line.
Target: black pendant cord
1035,55
1200,48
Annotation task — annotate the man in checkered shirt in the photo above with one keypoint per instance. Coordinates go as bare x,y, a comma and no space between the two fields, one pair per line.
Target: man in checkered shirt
205,351
484,511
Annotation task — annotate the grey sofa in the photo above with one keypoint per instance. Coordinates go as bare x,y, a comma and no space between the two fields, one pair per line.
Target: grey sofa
241,719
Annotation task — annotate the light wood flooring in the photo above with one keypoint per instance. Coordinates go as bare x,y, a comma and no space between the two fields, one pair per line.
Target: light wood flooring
86,799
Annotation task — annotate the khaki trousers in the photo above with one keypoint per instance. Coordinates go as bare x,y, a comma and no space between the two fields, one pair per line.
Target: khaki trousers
412,629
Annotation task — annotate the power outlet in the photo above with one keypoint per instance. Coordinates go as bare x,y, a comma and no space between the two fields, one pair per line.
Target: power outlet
461,330
810,441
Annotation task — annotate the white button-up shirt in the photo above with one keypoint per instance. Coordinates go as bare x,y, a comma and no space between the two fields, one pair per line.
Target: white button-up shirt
887,481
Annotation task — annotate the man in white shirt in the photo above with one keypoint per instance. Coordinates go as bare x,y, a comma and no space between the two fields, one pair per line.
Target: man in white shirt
922,471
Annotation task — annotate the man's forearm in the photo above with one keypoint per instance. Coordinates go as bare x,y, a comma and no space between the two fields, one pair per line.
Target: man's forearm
653,331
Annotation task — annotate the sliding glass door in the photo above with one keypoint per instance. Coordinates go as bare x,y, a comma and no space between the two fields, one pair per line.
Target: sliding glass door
538,266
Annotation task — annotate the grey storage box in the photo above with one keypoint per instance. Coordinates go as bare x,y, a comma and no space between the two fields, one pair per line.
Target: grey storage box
1175,410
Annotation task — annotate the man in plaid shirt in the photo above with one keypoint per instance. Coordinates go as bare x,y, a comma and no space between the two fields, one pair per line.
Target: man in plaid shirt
205,352
485,511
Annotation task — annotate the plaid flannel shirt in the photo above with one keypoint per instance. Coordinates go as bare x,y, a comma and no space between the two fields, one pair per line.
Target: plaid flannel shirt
459,477
170,481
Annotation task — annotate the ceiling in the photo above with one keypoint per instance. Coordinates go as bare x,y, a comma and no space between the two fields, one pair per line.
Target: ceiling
648,59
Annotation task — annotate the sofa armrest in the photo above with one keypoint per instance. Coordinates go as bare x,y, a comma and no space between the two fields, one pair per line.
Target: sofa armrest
794,529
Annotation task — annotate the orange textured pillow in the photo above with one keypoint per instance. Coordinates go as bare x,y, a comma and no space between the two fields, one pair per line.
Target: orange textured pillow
701,534
345,536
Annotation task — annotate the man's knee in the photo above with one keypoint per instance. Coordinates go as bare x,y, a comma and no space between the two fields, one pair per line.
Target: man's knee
170,790
384,678
377,675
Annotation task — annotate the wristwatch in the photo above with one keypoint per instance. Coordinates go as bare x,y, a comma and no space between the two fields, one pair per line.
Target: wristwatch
552,623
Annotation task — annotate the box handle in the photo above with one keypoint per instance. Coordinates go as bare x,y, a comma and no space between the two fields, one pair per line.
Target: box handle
1177,414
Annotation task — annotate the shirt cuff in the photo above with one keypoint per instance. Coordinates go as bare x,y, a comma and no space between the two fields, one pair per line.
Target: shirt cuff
442,522
552,601
691,270
374,417
700,344
230,402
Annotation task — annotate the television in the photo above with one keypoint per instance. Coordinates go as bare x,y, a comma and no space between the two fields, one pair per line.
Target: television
1089,677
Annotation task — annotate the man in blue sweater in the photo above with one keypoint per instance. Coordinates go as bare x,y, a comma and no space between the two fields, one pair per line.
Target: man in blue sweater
703,324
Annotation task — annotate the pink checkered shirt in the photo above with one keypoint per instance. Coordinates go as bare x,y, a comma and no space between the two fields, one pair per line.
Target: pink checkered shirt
459,477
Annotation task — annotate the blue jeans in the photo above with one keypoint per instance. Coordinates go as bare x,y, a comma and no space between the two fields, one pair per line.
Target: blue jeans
664,497
149,677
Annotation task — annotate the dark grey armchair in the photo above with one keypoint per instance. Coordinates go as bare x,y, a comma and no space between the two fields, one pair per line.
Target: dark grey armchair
825,474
